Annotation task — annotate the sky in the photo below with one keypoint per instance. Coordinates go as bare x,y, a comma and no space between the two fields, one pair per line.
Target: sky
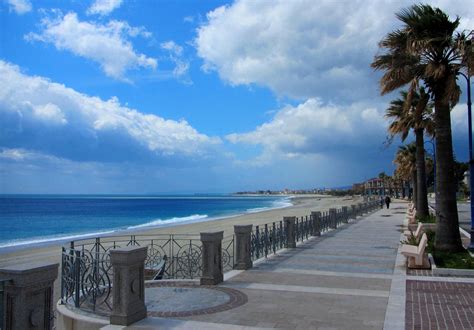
144,97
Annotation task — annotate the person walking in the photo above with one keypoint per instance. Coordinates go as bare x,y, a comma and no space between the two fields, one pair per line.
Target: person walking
387,201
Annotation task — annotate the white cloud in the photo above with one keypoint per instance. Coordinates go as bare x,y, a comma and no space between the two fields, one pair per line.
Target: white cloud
103,7
315,128
20,6
107,44
15,154
35,112
181,65
304,48
49,112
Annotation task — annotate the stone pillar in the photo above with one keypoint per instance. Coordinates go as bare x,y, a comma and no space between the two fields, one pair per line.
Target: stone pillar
129,285
290,231
354,211
332,218
28,296
243,258
316,218
345,214
212,258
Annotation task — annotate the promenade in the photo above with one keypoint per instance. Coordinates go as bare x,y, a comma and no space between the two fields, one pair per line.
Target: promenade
349,278
341,280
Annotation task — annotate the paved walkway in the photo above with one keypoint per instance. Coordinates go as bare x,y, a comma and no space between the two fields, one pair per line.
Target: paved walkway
341,280
350,278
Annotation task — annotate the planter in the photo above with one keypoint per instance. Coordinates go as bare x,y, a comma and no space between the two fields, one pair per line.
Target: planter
449,271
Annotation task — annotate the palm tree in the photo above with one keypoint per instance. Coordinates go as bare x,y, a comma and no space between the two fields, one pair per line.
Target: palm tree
413,111
426,49
405,159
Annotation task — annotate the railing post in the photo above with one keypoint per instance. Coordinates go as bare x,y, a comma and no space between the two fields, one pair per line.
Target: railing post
354,211
28,295
345,214
316,218
243,258
212,258
128,285
290,231
332,218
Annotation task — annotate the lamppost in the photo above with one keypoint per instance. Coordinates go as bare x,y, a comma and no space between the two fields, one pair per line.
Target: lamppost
433,145
468,46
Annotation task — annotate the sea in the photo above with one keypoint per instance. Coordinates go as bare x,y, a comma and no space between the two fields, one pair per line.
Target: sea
27,220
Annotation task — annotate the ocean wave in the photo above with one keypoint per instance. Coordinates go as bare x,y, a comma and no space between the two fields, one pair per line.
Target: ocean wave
51,239
279,204
159,222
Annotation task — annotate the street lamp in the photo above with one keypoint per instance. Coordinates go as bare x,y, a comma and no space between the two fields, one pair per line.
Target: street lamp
433,145
468,46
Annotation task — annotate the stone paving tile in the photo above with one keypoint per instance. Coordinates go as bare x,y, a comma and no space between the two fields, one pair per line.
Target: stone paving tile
290,310
312,280
439,305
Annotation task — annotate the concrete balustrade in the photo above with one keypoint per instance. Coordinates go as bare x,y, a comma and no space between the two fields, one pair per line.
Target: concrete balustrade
290,230
243,258
212,273
128,285
28,296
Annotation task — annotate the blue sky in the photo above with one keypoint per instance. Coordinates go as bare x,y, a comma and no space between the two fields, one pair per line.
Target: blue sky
129,96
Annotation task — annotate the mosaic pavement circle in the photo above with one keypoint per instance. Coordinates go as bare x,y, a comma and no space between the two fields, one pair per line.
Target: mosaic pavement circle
180,299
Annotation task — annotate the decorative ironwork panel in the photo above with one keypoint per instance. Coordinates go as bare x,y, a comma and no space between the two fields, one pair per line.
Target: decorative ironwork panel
228,253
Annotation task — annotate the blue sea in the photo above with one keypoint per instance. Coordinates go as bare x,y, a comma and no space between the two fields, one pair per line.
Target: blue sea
36,219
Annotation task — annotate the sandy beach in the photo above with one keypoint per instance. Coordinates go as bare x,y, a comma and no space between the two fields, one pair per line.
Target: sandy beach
302,205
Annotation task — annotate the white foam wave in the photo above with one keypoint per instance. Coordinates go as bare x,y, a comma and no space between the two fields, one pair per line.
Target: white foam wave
279,204
159,222
52,239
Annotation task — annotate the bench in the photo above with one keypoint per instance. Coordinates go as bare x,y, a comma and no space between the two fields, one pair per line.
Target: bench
416,255
411,216
417,233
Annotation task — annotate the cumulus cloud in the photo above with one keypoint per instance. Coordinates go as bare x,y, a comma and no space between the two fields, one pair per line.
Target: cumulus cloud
303,48
41,115
316,128
20,6
107,44
103,7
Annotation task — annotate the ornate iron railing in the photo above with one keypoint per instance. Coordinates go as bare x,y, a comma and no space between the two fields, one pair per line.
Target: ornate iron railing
228,255
303,228
266,239
2,307
87,274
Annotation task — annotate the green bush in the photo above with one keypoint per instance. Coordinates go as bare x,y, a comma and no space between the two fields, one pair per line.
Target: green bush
459,260
411,240
428,219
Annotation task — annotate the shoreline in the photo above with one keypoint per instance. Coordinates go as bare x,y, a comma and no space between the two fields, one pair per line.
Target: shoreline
39,242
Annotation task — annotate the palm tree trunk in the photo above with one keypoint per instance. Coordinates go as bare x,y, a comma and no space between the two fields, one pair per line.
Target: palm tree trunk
415,190
422,191
447,233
